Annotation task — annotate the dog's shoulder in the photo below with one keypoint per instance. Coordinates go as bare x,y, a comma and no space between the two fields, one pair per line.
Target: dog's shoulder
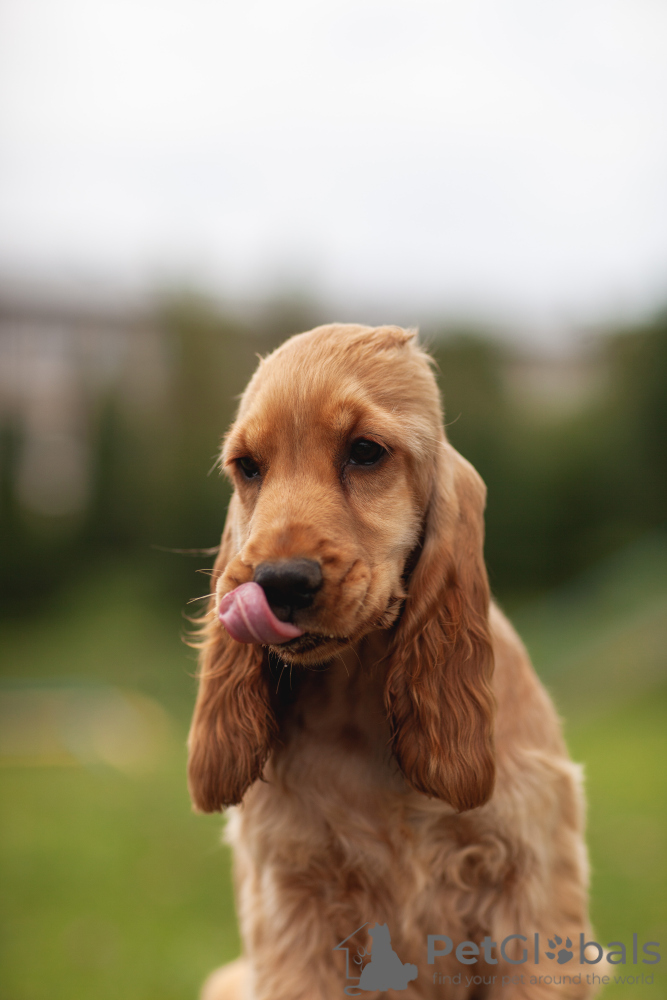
526,716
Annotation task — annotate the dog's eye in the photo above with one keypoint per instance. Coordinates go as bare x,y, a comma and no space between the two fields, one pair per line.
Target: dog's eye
364,452
248,467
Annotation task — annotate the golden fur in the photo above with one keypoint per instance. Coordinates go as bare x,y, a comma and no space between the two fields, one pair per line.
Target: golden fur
413,771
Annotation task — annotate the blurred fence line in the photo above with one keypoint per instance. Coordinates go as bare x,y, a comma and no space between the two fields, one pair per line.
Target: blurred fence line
111,421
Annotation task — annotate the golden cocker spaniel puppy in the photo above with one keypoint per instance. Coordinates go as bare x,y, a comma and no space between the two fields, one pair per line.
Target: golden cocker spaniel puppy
390,756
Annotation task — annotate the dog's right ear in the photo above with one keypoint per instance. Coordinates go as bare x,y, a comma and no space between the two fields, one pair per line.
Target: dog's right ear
233,726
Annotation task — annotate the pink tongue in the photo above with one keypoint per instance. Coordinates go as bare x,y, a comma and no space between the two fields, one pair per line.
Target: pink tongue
246,615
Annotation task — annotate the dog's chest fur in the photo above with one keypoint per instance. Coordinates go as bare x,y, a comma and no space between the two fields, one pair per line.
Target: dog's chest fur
335,828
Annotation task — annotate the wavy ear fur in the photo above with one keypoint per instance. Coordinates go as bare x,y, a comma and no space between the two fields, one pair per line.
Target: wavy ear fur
438,691
233,725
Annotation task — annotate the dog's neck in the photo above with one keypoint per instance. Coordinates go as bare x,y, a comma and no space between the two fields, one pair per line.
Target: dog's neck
342,700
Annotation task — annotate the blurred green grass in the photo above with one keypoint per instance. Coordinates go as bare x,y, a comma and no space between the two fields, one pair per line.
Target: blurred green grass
112,887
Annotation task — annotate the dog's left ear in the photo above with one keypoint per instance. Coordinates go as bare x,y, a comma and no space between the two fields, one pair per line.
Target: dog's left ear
438,691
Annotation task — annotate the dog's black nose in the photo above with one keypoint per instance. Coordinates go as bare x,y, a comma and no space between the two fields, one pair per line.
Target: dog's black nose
289,584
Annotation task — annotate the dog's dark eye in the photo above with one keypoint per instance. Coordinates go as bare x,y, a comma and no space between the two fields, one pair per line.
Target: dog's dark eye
365,452
248,467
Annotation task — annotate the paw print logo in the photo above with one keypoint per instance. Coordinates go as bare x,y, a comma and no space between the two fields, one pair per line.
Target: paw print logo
564,955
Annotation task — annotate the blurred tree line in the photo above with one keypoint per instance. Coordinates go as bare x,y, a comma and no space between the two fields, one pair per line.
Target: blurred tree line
565,488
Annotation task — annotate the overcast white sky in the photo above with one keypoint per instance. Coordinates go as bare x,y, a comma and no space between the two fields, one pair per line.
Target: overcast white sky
504,156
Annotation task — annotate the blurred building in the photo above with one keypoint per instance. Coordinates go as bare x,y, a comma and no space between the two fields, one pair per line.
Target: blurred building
59,360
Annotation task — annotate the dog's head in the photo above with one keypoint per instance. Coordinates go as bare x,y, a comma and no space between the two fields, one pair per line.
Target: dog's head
352,513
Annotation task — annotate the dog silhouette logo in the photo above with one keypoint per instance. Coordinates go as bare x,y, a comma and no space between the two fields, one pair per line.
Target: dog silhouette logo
385,971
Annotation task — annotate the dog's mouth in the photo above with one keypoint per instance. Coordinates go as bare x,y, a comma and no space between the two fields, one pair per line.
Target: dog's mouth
248,617
309,641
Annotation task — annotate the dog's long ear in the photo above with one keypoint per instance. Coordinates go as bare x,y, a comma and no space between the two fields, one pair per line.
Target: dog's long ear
438,690
233,726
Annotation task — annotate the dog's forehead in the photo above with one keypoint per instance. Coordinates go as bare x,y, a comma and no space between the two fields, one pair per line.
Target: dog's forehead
334,373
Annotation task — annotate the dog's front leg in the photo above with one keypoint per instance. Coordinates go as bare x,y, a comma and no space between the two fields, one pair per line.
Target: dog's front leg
299,965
